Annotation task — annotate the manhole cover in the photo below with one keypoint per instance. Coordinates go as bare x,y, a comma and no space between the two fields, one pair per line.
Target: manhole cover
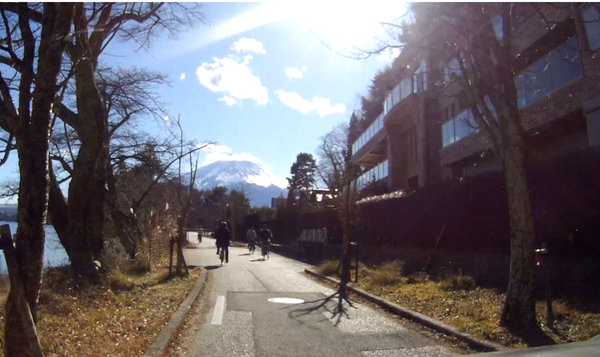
286,300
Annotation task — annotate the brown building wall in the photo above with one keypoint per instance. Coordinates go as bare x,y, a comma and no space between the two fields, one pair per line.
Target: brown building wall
561,104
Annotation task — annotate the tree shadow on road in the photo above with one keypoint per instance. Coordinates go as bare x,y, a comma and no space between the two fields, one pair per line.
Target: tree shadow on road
338,311
212,267
535,337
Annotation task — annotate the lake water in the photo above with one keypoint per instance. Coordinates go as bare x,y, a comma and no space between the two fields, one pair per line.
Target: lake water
54,253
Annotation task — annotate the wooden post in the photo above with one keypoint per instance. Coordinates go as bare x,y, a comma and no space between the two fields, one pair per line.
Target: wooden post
437,241
17,288
544,262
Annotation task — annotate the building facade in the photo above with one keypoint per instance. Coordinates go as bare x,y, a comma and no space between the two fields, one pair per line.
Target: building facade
426,133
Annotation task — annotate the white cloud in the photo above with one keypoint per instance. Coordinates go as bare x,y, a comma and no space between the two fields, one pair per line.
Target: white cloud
182,76
321,105
166,118
293,73
388,55
234,78
304,68
228,100
248,44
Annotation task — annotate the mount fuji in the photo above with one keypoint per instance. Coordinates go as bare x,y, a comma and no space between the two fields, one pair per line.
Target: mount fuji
256,181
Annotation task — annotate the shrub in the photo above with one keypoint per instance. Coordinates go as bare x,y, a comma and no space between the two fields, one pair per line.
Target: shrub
120,282
386,274
458,282
328,268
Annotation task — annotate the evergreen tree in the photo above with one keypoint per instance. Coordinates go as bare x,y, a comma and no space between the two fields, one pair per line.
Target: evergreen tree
303,172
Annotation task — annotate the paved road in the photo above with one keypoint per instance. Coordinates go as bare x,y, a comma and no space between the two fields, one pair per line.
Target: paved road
237,318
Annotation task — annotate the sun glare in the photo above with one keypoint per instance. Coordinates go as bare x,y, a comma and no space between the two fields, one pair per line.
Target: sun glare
350,24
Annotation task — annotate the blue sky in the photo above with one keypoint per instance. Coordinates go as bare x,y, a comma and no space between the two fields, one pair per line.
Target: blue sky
236,91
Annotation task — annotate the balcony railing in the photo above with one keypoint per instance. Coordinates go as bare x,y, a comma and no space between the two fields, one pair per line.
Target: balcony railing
413,84
373,129
377,173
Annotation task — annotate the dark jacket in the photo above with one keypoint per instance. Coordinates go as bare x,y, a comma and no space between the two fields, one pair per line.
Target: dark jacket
264,234
223,237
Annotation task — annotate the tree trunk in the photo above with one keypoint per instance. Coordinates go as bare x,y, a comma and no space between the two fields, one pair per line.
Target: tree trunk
84,234
32,134
17,290
181,268
519,308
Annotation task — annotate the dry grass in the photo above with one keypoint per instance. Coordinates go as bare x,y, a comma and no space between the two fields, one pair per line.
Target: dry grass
120,318
456,300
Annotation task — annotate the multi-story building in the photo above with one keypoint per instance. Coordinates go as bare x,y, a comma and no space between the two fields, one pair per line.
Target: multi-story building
426,132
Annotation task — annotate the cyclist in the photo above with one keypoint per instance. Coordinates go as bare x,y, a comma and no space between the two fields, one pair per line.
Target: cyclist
251,238
223,236
265,235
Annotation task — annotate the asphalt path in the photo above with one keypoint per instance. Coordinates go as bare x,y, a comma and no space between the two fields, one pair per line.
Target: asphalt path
254,307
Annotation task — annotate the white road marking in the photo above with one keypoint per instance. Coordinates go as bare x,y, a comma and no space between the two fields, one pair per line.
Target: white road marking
217,317
286,300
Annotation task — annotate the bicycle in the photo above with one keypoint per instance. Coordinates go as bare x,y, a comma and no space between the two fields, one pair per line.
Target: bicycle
222,255
265,249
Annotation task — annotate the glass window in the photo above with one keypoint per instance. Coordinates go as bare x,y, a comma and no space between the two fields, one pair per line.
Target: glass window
592,26
416,86
423,79
550,73
396,95
498,29
461,126
521,94
405,88
490,106
473,126
538,80
565,63
448,133
452,69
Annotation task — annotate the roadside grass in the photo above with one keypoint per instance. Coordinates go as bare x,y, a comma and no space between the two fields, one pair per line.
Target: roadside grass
119,318
457,300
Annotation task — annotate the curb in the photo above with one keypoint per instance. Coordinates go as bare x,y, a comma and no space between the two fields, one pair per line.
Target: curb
436,325
161,342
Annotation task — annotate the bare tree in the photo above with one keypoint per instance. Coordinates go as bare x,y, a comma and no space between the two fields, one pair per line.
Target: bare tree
28,122
184,193
487,63
331,157
96,25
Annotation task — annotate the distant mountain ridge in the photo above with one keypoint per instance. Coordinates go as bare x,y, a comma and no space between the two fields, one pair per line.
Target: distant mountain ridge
8,213
256,181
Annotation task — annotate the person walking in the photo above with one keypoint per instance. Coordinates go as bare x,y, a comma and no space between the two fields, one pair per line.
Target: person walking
223,237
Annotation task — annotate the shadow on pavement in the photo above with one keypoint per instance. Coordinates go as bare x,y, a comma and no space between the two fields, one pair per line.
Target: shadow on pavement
535,337
257,260
239,255
212,267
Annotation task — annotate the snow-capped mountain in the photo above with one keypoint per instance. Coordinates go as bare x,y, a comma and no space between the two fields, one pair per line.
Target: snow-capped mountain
258,183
